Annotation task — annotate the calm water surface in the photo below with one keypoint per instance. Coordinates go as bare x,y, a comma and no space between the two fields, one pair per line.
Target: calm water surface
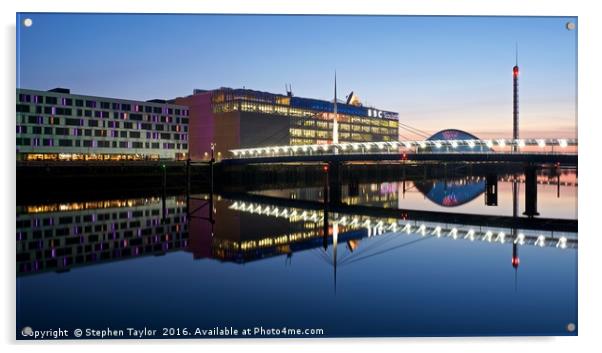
263,260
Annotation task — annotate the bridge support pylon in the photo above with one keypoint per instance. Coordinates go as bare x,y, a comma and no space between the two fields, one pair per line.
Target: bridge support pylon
334,183
531,191
491,190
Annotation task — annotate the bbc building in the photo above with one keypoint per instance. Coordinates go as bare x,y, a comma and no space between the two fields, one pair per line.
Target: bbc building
58,125
244,118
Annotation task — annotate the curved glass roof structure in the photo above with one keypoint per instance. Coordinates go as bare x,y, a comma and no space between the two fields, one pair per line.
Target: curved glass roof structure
455,134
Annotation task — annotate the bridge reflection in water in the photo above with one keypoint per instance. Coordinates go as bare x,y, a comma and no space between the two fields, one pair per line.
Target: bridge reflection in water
241,228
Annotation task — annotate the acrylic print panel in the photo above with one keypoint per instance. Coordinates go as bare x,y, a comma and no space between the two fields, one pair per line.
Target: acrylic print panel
254,176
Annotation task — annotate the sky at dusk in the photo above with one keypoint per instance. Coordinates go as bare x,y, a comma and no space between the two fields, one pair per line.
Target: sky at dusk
437,72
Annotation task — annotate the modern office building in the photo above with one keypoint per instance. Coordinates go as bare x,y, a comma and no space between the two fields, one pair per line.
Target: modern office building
242,118
58,125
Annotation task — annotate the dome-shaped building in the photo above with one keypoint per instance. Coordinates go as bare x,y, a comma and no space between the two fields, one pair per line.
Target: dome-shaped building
457,135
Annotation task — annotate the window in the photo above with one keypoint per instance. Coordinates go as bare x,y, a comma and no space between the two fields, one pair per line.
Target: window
65,143
91,104
51,100
61,131
63,111
22,108
32,119
73,122
79,103
23,141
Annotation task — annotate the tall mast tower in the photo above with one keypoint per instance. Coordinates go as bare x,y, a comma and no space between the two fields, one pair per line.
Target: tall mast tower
515,134
335,127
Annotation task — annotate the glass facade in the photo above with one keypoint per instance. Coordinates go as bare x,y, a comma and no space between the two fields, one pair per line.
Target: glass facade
311,120
57,125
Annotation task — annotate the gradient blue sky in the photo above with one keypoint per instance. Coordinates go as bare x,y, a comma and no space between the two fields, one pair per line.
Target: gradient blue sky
437,72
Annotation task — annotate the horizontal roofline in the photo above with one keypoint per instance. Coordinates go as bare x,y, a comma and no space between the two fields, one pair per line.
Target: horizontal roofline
141,102
341,102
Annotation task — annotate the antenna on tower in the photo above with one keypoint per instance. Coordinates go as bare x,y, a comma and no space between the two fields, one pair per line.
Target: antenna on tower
515,73
335,86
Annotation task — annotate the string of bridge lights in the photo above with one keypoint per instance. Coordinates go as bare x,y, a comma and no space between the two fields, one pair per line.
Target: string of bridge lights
394,146
381,227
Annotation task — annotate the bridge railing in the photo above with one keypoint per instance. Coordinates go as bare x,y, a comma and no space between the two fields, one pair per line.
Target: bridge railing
560,145
378,226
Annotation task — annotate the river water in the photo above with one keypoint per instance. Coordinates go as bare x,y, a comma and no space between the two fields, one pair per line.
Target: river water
384,260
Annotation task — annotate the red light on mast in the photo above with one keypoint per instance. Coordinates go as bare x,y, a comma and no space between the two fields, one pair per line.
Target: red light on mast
515,71
515,261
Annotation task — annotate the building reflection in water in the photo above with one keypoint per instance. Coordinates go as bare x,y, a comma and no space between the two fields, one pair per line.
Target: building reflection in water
454,192
58,237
